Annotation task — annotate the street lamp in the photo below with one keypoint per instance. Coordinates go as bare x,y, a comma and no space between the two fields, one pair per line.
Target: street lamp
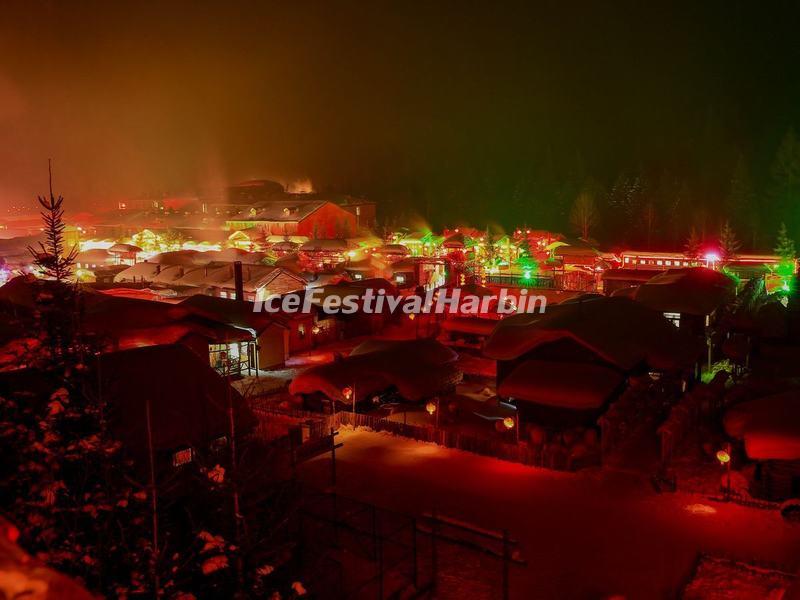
433,408
724,458
348,394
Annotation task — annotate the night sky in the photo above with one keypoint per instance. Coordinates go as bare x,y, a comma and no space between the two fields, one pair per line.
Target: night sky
464,109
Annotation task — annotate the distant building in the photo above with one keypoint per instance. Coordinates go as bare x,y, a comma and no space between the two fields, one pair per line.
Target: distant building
317,219
565,366
253,191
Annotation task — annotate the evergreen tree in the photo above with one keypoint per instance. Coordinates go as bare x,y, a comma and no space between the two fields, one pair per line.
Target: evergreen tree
785,245
50,257
728,242
785,185
691,249
649,220
584,215
741,197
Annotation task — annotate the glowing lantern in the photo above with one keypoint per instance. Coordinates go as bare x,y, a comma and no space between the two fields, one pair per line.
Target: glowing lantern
347,393
315,329
412,316
430,407
509,422
723,457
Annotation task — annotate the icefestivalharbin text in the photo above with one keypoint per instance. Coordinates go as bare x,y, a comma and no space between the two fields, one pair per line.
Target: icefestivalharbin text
435,301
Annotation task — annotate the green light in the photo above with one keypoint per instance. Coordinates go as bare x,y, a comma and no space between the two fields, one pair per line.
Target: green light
526,275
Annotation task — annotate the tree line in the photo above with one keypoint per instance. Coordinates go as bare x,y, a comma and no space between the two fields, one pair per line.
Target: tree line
641,206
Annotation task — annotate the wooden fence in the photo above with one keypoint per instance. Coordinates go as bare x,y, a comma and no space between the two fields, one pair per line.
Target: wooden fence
550,456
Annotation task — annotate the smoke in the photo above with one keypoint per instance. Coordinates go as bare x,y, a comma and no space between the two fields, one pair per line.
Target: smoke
300,186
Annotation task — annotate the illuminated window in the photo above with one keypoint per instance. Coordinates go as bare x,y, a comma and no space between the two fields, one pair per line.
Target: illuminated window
182,457
400,278
659,262
627,259
358,276
685,263
674,318
668,262
233,357
223,294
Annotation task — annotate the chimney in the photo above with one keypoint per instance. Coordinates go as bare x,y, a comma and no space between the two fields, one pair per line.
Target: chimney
238,281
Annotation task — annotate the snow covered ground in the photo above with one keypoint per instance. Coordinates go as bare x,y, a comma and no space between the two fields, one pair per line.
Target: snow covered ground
590,534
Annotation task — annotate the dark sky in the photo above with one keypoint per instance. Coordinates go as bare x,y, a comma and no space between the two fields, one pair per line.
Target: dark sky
397,100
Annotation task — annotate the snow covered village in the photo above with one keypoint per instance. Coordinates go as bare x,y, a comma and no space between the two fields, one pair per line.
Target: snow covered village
344,301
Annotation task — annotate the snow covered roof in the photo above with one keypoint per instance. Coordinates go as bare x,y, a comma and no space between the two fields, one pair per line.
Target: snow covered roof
578,386
395,249
179,257
254,277
694,291
414,368
335,245
124,249
425,350
197,276
143,271
188,407
234,254
769,426
620,331
285,246
232,312
457,240
95,255
291,209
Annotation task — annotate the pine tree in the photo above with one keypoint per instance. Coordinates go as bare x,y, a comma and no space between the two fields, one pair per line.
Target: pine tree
785,245
50,257
728,243
583,215
649,219
741,198
691,249
785,186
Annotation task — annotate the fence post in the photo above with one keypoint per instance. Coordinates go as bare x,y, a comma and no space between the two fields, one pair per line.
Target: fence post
374,532
292,458
333,458
414,551
434,554
380,562
335,520
506,558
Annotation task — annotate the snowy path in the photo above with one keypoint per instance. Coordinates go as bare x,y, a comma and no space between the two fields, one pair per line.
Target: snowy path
585,535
